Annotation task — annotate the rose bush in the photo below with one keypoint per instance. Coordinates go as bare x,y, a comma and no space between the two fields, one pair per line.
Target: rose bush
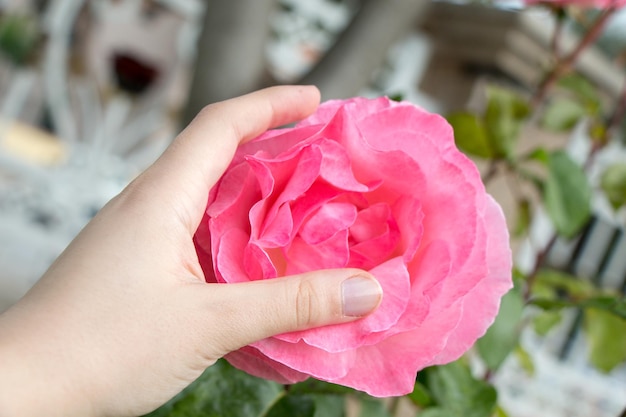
597,4
371,184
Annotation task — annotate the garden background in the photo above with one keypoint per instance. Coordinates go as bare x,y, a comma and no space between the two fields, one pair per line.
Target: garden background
93,91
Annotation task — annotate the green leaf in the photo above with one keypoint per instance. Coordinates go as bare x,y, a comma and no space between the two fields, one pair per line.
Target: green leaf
562,115
458,392
583,91
610,304
19,35
501,338
567,195
329,405
503,119
470,135
525,360
539,154
223,391
523,218
613,183
371,407
606,335
313,385
292,406
549,283
437,412
420,395
545,321
500,412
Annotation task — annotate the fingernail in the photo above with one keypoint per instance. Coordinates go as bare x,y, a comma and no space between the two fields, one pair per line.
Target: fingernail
360,295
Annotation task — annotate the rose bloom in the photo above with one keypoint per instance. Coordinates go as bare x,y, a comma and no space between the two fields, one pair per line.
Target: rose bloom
371,184
597,4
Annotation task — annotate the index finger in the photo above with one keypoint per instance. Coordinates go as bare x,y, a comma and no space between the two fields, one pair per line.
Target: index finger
202,152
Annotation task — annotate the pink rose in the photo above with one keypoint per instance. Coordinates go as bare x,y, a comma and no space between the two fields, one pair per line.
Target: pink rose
597,4
371,184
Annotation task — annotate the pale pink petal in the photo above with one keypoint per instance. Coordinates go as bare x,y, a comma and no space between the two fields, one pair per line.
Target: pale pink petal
331,253
227,256
394,279
307,359
374,235
407,211
281,181
336,167
481,304
317,195
276,142
327,221
257,263
390,367
255,363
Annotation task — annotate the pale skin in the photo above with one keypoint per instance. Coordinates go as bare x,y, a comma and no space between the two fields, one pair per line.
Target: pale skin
124,319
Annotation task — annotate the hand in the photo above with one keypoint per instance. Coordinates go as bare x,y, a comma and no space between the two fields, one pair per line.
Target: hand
124,319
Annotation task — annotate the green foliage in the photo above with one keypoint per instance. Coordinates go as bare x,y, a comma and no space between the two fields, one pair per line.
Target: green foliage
223,391
292,406
613,183
502,337
545,321
550,284
566,194
562,115
583,92
493,134
457,393
523,218
606,335
19,36
525,360
373,408
504,116
420,395
470,135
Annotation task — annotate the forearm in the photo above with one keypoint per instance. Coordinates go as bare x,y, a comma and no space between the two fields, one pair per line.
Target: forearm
35,374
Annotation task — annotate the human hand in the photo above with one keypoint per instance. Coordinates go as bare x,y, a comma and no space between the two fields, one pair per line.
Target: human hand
124,319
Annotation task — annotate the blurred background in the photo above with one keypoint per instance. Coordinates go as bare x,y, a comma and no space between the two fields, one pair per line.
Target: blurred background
92,91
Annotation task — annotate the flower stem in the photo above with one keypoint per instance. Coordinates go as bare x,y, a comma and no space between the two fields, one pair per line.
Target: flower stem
539,261
564,65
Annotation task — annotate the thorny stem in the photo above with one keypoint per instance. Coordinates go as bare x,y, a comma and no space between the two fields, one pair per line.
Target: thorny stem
556,36
539,260
564,65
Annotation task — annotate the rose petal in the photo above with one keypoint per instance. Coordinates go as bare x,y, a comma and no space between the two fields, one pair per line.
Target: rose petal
389,368
275,142
376,236
281,181
331,253
358,107
227,256
258,264
481,304
336,167
407,211
394,279
252,361
327,221
307,359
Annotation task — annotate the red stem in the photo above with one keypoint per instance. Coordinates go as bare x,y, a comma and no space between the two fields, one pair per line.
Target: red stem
564,65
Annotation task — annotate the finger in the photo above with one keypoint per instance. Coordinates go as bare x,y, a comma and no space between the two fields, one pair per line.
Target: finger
260,309
201,153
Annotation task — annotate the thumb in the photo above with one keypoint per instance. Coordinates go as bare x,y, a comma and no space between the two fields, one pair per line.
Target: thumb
255,310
